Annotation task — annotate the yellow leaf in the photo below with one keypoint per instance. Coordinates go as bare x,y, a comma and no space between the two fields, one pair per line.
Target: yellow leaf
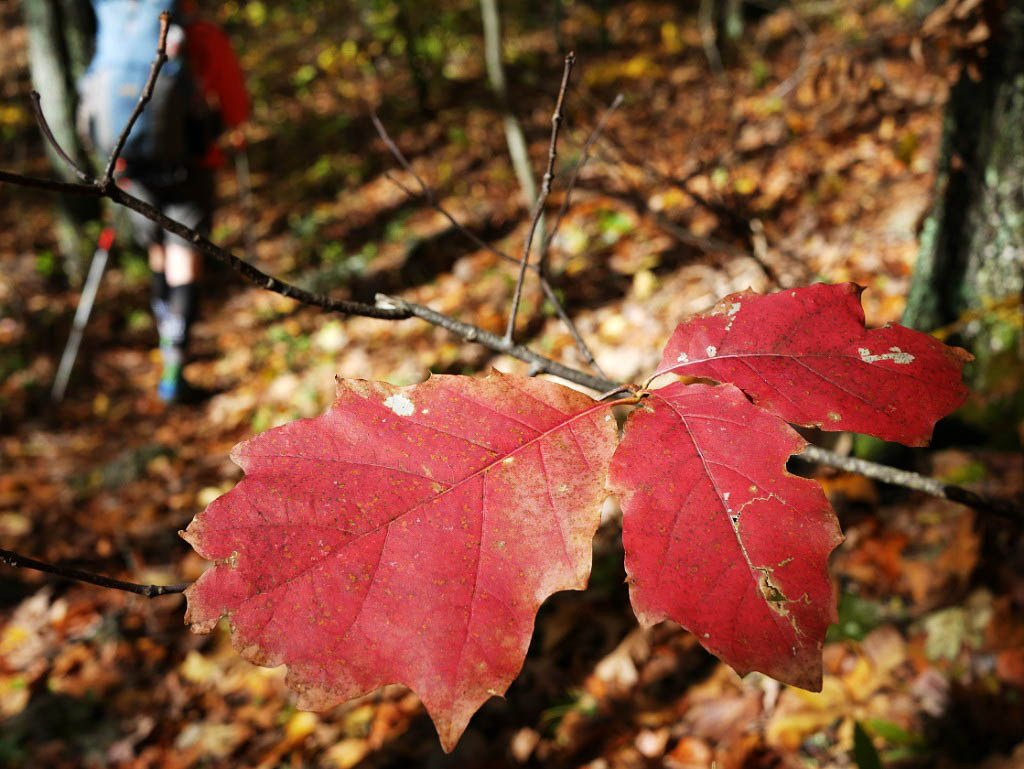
197,669
301,725
346,753
745,185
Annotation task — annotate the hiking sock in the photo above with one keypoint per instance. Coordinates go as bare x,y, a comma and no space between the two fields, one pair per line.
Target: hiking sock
158,296
183,301
174,334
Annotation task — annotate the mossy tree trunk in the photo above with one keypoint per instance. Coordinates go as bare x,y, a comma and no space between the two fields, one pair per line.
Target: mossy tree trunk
969,276
60,39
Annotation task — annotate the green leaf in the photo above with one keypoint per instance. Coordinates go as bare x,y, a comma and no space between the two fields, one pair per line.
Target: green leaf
892,733
864,753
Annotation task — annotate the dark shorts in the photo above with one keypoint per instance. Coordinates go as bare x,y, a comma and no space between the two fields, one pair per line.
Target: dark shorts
186,197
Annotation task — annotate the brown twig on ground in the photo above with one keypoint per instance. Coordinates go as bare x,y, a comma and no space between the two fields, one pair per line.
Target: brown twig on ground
147,92
11,558
704,243
542,198
542,259
801,273
52,140
428,195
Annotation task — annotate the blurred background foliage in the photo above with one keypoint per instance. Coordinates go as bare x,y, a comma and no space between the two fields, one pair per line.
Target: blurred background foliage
760,144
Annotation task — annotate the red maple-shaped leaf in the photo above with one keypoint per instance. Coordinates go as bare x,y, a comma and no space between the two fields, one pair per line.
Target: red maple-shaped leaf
719,537
805,355
408,535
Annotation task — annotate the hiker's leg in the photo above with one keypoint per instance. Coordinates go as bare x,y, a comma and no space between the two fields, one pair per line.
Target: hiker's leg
191,204
158,282
157,257
151,237
181,268
174,264
181,264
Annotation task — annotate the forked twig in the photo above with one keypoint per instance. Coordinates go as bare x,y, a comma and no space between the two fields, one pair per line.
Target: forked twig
11,558
545,190
584,157
428,195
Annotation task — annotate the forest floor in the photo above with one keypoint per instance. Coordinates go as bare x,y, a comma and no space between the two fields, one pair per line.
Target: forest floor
810,158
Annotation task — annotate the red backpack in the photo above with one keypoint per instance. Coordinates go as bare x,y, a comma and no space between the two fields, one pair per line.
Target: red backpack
219,77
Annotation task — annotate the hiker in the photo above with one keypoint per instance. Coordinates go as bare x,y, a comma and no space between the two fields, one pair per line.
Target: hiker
171,154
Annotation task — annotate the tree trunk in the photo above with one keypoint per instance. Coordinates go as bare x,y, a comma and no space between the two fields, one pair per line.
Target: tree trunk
969,276
60,34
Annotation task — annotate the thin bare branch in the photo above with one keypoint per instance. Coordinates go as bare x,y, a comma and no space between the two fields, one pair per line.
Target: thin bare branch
243,268
428,195
392,308
51,185
908,480
52,140
542,260
147,92
18,561
202,244
545,190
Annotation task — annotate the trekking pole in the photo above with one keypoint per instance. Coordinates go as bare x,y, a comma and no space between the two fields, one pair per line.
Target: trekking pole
82,312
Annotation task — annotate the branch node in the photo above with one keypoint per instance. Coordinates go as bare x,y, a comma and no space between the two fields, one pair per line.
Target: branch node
385,302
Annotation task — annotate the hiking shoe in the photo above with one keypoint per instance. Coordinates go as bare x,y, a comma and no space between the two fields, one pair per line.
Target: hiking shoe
170,390
178,391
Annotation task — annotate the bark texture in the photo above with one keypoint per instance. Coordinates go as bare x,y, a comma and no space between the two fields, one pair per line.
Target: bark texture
969,278
972,244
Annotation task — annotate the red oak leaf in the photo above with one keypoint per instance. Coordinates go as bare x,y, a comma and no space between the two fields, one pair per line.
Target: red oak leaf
719,537
408,535
805,354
